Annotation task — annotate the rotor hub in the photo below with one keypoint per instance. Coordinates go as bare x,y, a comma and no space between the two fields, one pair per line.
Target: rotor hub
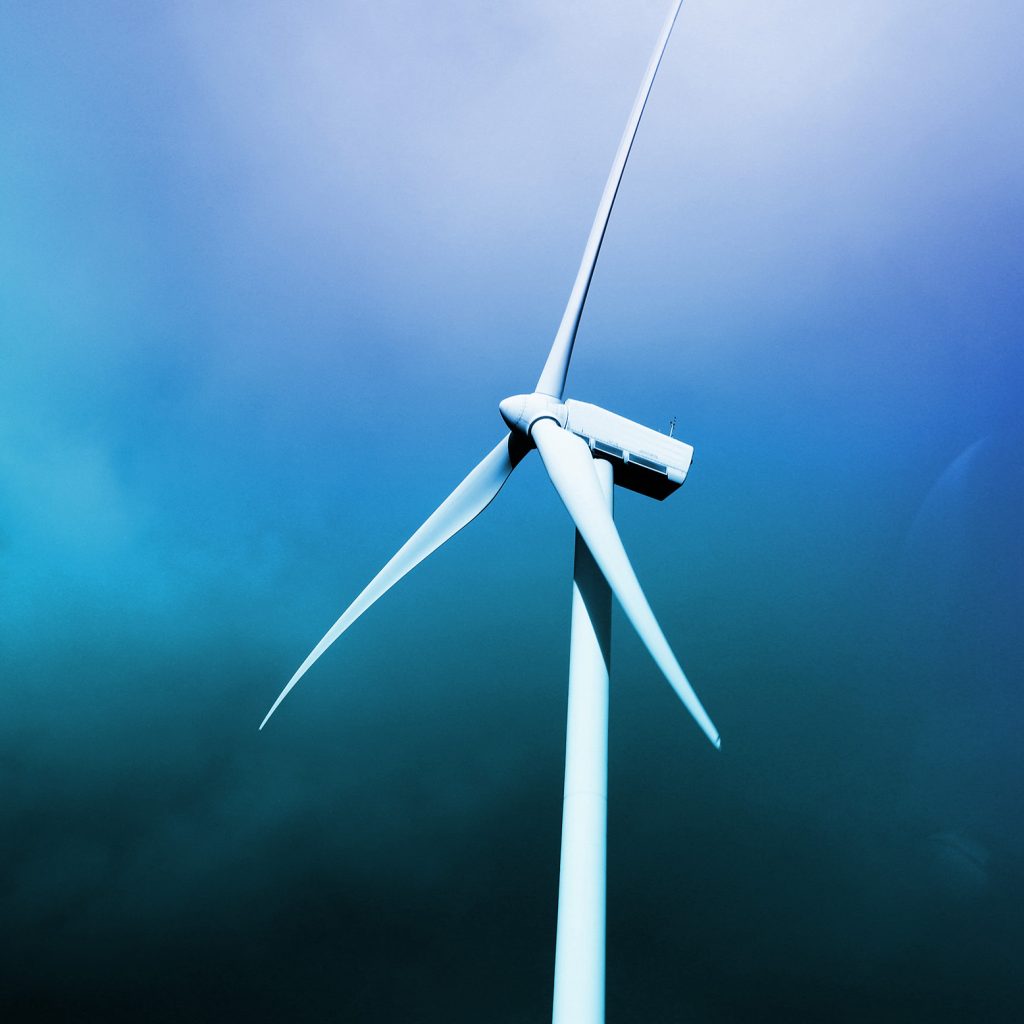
520,412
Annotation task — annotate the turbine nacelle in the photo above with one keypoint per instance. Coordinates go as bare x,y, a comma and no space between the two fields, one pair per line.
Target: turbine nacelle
644,460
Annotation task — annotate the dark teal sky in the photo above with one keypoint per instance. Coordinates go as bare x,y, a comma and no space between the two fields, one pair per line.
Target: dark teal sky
265,273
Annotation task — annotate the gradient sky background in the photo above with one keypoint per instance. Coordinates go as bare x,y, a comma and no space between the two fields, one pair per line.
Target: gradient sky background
266,271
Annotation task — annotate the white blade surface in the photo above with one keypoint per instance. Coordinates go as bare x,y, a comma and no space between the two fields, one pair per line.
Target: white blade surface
552,378
461,507
570,465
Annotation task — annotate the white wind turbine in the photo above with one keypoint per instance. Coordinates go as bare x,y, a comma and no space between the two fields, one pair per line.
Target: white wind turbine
586,450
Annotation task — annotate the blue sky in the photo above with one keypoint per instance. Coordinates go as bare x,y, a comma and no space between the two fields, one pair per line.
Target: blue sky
267,271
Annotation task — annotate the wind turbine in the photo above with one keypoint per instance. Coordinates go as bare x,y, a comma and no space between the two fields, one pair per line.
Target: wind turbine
586,451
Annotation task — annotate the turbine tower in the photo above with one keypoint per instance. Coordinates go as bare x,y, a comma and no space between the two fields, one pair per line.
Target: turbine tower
586,451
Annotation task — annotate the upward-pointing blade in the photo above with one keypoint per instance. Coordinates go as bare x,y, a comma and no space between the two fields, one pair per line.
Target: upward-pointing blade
460,508
570,465
552,378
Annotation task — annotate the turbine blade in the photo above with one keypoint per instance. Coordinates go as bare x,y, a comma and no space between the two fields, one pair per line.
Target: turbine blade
552,378
460,508
570,465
